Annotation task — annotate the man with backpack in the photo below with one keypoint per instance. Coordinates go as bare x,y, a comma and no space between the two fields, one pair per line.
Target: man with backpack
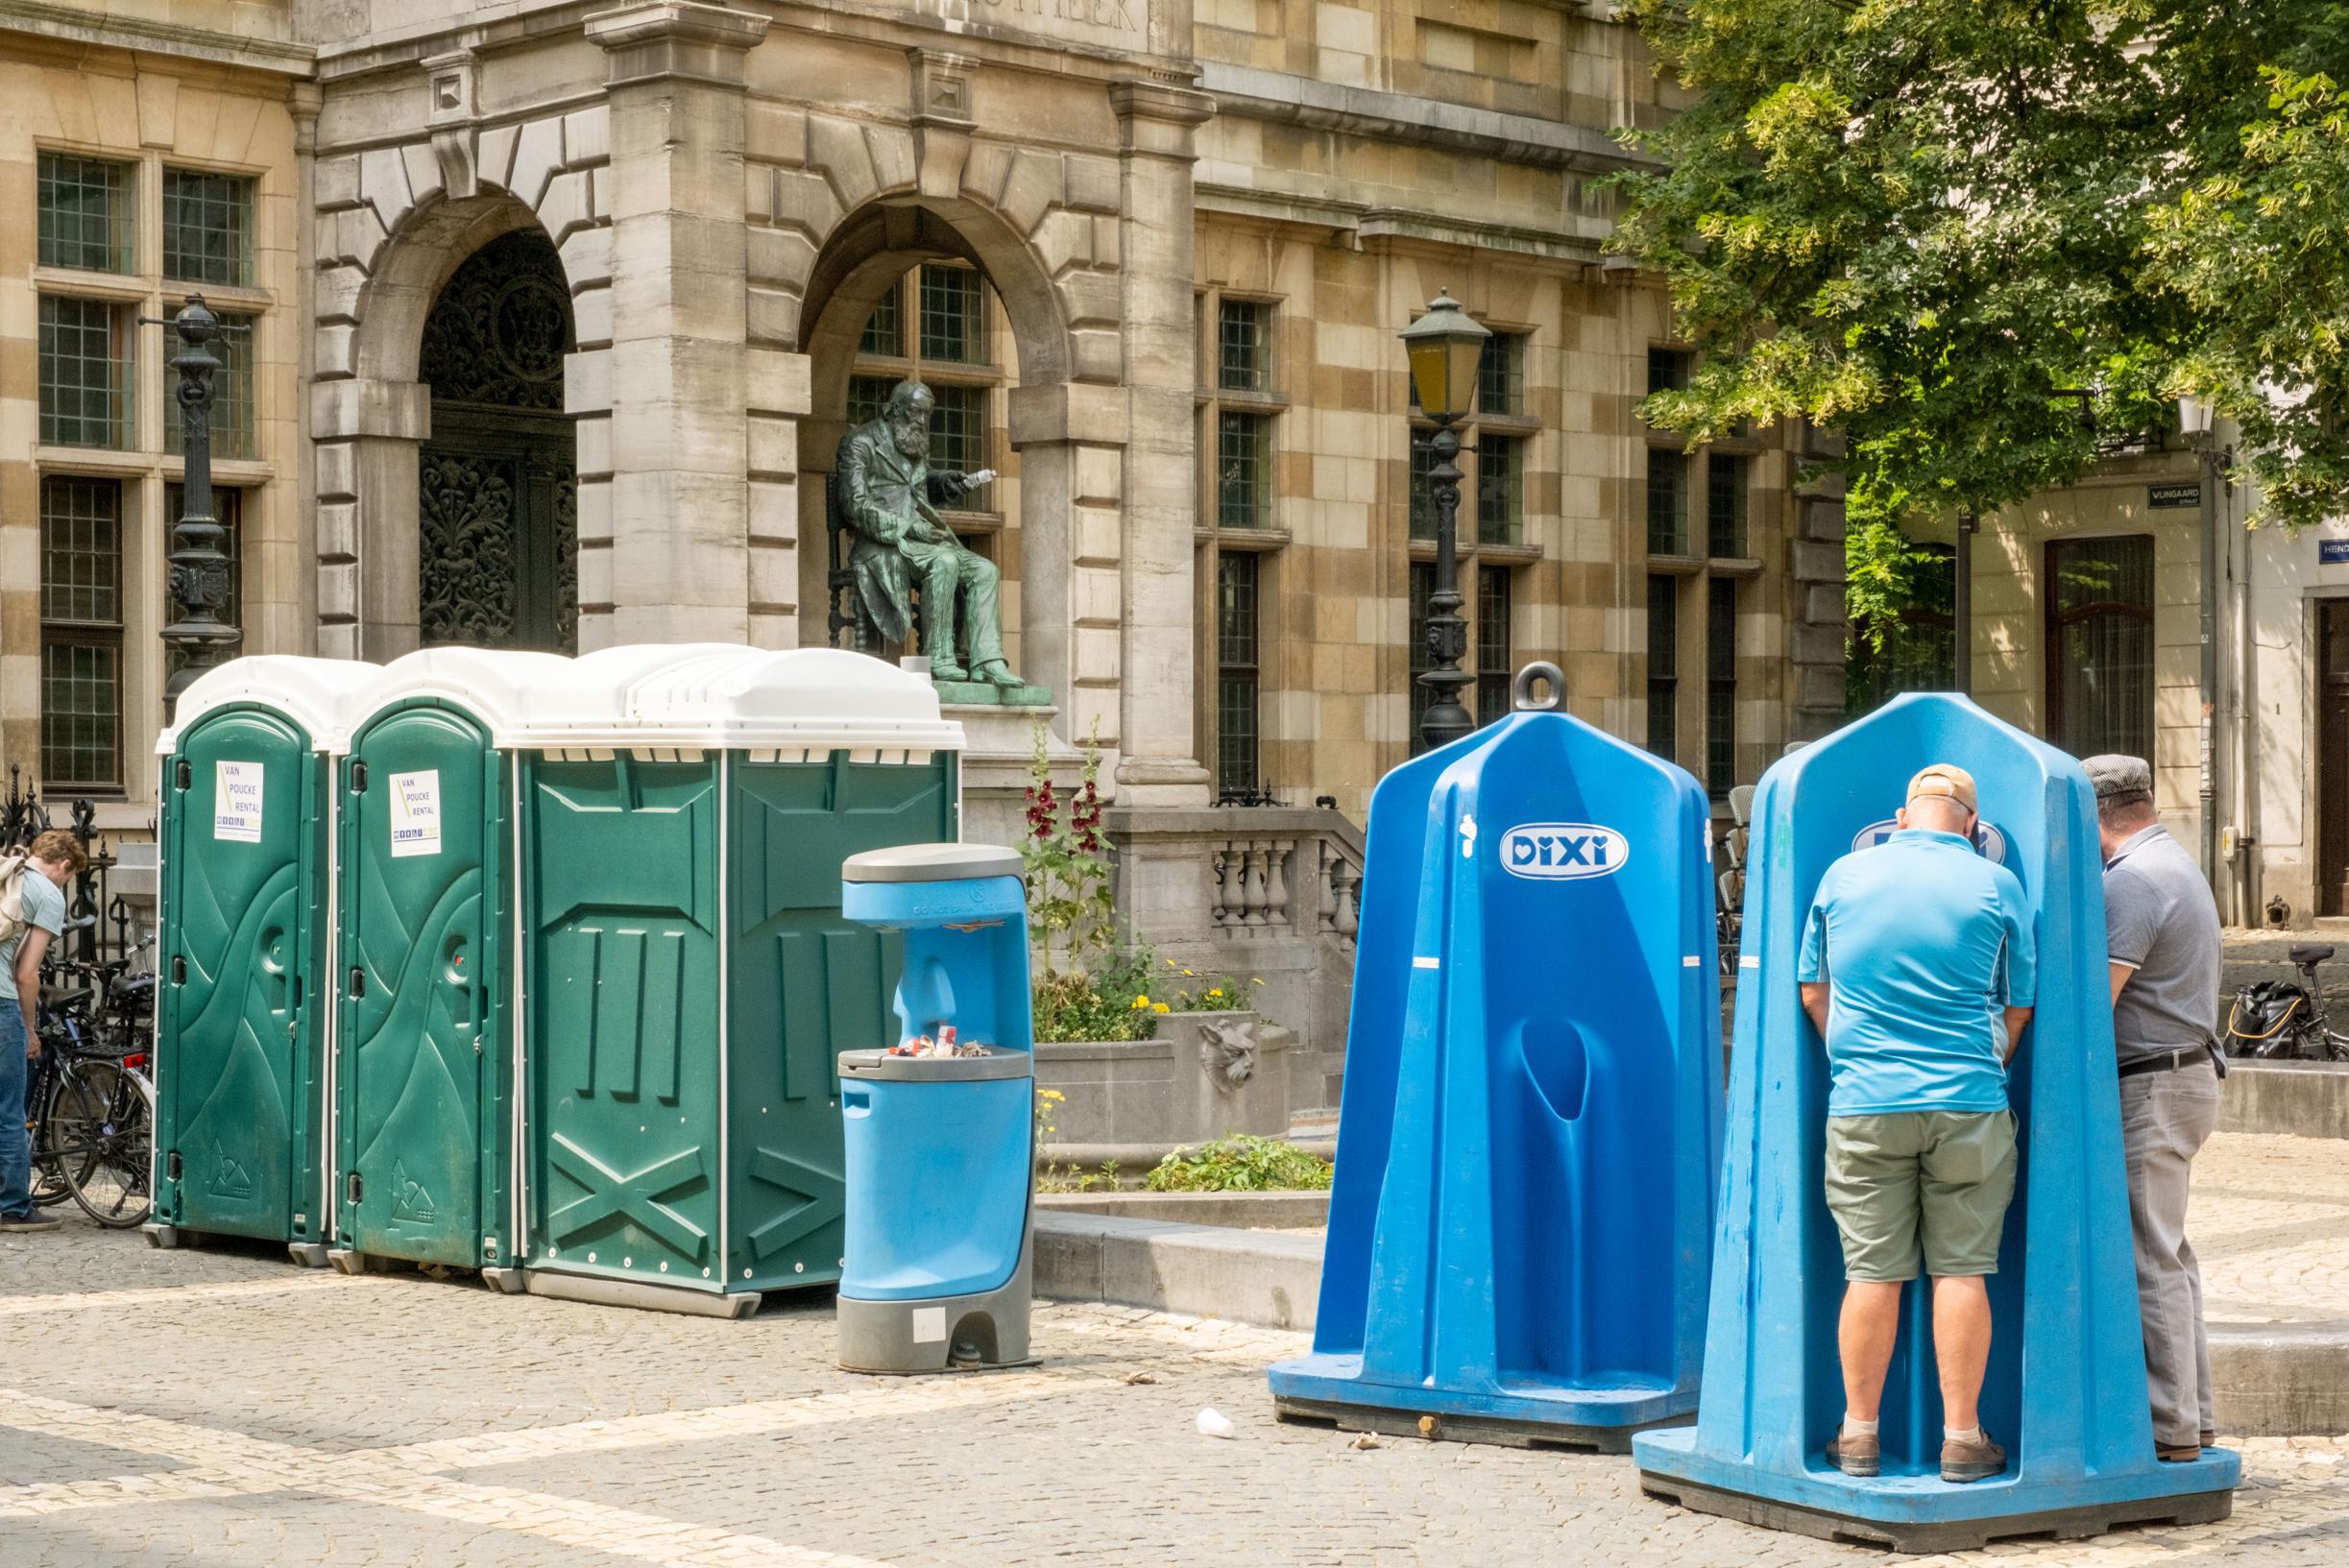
31,912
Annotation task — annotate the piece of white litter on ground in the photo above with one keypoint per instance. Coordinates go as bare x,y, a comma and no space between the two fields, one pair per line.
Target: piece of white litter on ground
1213,1423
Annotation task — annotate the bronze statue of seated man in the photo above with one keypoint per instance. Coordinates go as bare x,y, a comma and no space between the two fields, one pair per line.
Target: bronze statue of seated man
889,499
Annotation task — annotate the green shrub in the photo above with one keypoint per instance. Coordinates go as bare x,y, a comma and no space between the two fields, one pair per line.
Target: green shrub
1241,1163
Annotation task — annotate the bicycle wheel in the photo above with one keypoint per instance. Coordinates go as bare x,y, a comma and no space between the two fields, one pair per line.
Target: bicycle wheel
48,1179
102,1122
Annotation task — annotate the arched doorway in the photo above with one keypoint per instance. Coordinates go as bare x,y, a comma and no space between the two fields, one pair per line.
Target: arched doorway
498,557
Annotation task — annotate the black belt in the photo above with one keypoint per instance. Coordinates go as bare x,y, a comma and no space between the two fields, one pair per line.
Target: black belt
2169,1061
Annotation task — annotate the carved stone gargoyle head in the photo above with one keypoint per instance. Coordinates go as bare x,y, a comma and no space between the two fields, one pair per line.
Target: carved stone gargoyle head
1227,1050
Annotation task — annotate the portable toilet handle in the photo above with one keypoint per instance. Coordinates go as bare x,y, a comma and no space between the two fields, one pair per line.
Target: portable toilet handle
1521,690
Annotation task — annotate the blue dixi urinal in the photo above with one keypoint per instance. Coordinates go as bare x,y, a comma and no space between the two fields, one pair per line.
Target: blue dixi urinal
1528,1145
2066,1387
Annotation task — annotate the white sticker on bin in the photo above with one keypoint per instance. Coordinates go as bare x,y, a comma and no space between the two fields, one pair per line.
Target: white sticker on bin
929,1325
1691,961
1748,961
1427,963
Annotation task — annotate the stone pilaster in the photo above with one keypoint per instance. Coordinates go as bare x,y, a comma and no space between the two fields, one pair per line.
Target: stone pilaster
679,565
1157,124
1071,439
1815,576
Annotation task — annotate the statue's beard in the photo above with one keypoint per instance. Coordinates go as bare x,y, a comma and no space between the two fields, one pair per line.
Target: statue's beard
912,440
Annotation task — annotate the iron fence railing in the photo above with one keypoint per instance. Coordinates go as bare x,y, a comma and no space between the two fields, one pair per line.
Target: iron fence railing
25,816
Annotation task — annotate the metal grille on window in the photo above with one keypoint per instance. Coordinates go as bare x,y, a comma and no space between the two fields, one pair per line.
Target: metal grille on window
885,329
228,511
84,213
1244,470
1423,490
207,228
1724,506
1494,659
2100,670
1422,587
953,324
1239,732
84,374
232,431
1663,666
1500,376
1243,351
958,428
1500,489
1721,684
81,610
867,397
1667,501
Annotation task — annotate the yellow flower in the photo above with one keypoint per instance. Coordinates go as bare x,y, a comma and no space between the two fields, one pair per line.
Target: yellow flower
1252,980
1190,974
1169,963
1160,1007
1215,990
1140,1003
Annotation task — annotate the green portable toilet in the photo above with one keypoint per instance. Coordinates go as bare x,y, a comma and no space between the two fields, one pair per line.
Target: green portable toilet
427,979
688,979
243,951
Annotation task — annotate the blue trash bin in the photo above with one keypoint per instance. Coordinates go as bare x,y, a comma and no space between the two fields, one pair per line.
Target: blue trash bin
2066,1386
1529,1141
940,1151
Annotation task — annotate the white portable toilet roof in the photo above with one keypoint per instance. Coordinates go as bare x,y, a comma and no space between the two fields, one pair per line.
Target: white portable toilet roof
319,694
502,687
807,699
681,696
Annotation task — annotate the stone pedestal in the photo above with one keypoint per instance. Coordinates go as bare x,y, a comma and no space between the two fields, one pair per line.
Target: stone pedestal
999,749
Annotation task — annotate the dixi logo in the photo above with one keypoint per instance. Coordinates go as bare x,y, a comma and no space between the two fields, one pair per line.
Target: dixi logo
1562,850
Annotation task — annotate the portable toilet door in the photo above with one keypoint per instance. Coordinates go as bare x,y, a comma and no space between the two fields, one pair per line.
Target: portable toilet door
240,1040
422,1071
688,969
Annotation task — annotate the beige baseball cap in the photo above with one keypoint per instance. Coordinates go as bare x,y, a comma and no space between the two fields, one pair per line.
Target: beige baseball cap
1945,779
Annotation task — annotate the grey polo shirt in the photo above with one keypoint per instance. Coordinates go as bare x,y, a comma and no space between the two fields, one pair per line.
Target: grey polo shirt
2160,921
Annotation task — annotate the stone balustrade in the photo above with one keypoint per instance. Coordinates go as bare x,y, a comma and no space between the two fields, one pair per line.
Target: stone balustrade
1267,896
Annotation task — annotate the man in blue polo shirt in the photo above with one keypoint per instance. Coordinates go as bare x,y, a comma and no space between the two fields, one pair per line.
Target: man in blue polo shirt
1912,949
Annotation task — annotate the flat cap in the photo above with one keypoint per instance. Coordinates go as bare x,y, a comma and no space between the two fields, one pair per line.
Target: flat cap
2114,773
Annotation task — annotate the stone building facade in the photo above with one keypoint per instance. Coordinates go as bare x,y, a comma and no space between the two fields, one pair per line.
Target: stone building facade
562,309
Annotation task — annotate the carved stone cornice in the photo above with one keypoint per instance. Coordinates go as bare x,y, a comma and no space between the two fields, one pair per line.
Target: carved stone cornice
677,39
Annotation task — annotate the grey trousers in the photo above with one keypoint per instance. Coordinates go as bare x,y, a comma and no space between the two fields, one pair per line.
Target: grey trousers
2164,1117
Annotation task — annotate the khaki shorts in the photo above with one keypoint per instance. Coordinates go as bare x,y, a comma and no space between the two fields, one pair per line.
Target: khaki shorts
1946,1174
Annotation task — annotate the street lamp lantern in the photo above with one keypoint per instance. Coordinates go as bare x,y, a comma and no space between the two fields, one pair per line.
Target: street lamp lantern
2195,415
1444,348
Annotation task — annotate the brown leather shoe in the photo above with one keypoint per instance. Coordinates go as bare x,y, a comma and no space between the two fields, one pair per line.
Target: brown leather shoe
2209,1439
1970,1461
1855,1456
2176,1454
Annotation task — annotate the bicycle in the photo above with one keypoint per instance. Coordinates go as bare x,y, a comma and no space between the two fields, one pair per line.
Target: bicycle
2278,1020
93,1134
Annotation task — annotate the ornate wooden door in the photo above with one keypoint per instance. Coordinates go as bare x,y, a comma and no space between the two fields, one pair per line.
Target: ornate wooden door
497,560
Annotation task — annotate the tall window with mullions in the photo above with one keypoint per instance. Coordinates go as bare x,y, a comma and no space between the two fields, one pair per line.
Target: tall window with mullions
80,633
1238,643
1663,666
1493,663
1721,684
82,208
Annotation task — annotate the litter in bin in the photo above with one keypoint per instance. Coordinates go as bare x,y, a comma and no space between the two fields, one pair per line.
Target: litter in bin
944,1045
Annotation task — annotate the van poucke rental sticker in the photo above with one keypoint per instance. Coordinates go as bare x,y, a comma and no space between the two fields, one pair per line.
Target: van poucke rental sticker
415,813
1562,850
236,802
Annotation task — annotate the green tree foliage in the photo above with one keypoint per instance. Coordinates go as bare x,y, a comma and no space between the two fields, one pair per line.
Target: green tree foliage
1972,235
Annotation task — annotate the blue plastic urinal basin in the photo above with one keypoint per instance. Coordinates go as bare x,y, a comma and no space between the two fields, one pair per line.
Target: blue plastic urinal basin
2066,1386
1521,1220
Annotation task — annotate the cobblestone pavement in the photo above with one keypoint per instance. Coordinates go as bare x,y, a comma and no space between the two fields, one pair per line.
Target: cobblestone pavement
2270,1218
224,1409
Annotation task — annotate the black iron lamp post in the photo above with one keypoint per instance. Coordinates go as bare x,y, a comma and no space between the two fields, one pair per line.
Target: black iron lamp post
1444,346
198,569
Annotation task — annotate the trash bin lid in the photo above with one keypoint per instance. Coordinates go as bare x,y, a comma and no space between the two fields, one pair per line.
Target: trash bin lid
930,863
880,1063
319,694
